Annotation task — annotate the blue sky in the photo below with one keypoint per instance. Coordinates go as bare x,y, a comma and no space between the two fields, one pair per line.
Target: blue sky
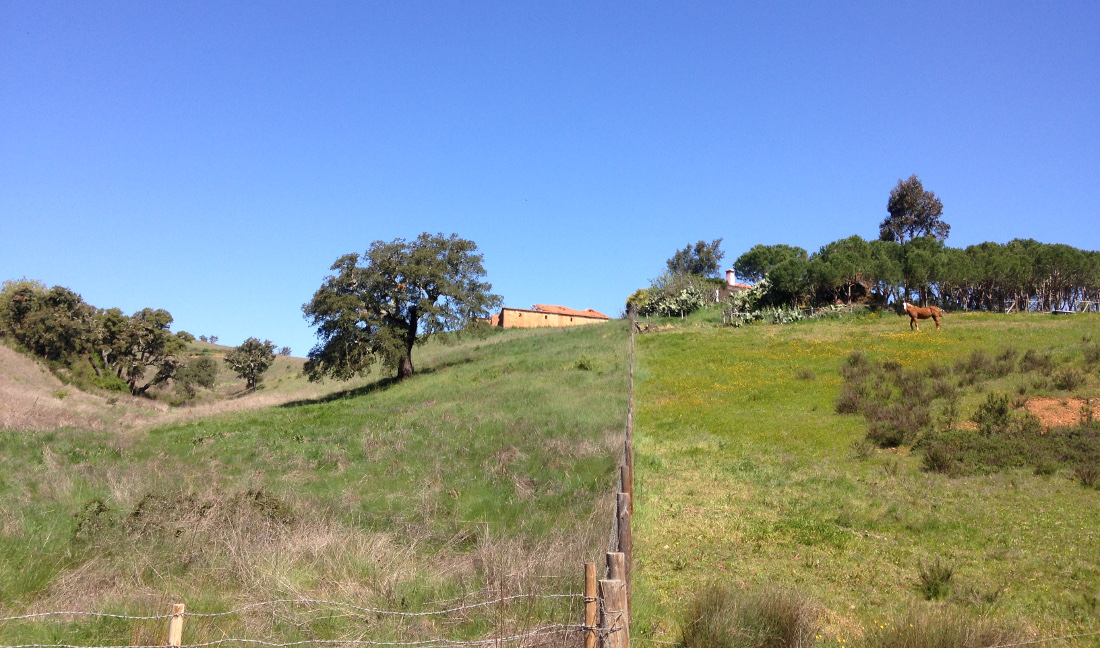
214,159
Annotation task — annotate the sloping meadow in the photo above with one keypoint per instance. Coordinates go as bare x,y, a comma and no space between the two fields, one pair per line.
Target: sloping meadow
490,472
798,457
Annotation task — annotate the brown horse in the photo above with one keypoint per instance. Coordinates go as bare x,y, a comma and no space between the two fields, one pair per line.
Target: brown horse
917,313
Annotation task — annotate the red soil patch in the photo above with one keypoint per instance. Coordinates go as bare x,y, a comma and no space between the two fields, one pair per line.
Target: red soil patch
1056,412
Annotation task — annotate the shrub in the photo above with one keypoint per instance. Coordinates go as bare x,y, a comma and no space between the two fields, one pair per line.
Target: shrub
935,579
1087,476
1046,467
856,359
1068,379
938,371
805,373
850,400
1091,353
976,364
724,617
938,457
863,449
1033,360
1004,364
201,372
994,414
943,389
896,424
938,628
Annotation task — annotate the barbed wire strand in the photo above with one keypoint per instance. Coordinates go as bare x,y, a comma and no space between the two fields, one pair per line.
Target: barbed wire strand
545,630
252,606
1038,641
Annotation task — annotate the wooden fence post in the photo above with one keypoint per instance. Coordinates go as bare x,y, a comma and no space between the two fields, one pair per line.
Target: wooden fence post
616,619
591,605
616,566
627,475
626,538
175,625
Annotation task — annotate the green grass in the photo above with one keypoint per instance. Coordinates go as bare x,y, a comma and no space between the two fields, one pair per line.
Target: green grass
747,475
491,470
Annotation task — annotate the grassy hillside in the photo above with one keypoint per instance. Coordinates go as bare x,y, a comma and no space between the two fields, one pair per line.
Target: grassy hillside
491,470
746,474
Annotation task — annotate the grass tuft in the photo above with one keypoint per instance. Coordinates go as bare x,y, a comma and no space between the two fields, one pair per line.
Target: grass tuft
935,628
935,579
721,616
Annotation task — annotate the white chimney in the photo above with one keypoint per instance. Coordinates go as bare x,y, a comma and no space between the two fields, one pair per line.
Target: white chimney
731,277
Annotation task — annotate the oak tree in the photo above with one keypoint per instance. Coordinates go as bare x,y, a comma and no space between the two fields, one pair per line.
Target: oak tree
251,360
378,306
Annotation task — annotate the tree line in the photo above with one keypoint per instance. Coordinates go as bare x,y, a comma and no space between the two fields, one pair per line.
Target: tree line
106,348
987,276
909,262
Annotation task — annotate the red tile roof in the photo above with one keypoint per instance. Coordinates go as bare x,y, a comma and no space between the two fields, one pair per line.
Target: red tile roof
562,310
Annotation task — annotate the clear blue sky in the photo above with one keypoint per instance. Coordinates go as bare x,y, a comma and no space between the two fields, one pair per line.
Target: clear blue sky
215,158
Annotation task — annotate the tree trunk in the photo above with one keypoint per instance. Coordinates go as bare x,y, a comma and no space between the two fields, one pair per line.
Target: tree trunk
406,368
91,361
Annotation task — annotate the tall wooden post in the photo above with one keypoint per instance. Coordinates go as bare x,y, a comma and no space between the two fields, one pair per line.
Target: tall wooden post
591,605
627,475
616,566
626,541
175,625
616,619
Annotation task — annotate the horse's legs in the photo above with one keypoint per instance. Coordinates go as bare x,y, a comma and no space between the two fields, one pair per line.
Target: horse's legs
913,326
937,320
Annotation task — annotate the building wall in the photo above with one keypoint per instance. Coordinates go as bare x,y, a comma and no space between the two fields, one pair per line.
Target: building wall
515,318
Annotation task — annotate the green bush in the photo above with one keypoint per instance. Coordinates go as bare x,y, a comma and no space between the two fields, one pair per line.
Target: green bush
200,372
1039,361
938,457
994,414
722,616
1068,379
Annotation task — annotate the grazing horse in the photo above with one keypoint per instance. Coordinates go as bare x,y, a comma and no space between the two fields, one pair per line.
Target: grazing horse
916,313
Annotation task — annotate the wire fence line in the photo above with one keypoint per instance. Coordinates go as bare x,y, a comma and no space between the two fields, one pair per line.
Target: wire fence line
1045,640
611,622
252,606
541,631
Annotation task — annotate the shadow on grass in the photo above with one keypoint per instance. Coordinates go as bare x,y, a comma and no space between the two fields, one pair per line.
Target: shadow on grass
380,385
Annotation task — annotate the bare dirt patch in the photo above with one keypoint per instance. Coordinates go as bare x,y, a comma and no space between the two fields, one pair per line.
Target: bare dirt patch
1057,412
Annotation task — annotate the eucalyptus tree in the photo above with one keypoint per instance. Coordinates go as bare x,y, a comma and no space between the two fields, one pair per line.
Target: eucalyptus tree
702,259
914,213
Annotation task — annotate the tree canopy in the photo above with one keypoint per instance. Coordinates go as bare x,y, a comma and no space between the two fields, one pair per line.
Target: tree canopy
701,259
758,262
377,307
914,213
56,324
978,277
250,360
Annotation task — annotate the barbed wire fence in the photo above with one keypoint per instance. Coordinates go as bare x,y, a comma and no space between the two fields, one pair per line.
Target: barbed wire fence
603,619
